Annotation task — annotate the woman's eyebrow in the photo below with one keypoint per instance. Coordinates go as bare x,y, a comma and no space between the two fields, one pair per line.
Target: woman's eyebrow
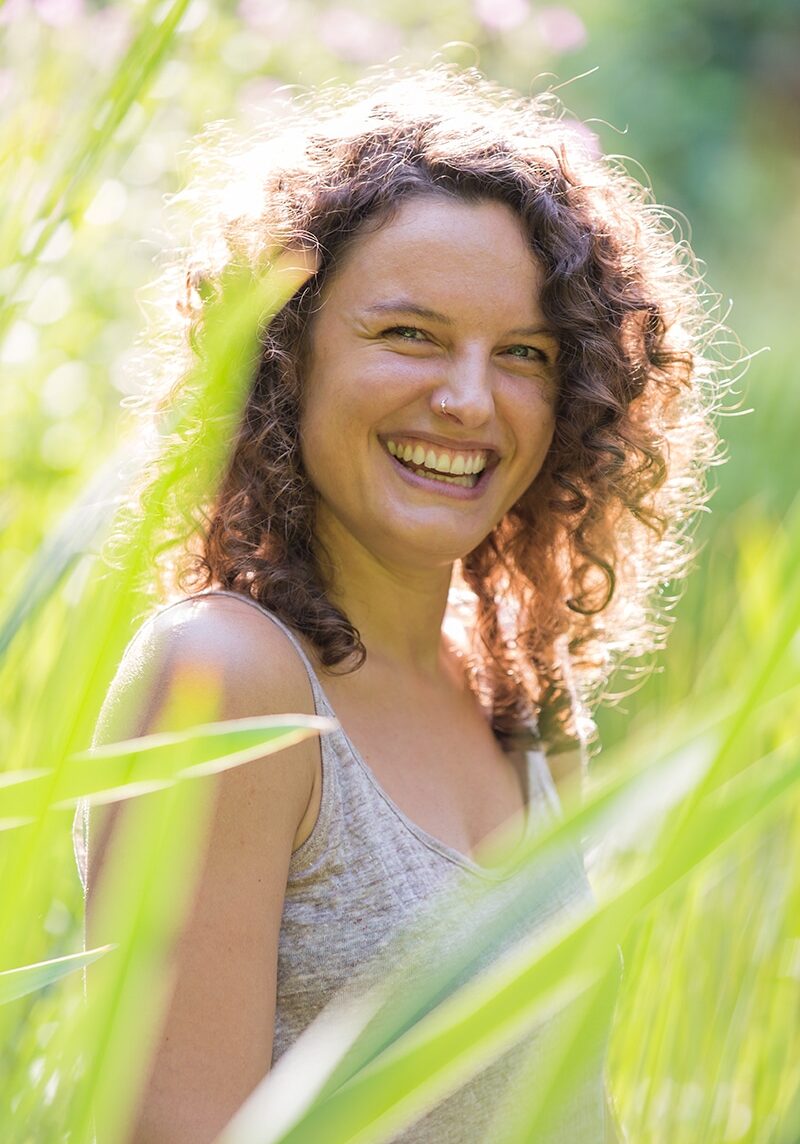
533,332
405,306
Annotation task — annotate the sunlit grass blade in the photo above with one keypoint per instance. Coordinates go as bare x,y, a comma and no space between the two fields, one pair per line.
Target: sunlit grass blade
647,794
650,791
122,770
79,152
75,535
15,983
706,1038
550,1075
142,903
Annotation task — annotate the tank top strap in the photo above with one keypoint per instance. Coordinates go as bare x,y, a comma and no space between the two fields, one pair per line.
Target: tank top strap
540,782
321,704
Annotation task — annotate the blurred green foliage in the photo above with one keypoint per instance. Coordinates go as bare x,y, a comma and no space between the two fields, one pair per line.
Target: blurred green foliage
703,95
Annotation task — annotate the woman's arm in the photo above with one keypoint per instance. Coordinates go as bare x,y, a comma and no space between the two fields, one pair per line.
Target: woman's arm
216,1041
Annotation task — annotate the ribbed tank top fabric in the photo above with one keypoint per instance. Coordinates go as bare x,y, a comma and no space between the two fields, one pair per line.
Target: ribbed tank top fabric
370,893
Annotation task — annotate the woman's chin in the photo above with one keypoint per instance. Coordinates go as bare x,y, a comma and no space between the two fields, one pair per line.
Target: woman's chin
431,544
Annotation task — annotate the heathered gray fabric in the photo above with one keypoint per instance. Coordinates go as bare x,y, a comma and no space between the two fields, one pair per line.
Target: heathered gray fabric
365,903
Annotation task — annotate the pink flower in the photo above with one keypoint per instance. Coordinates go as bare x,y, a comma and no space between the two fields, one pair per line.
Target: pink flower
560,29
13,10
355,37
501,15
267,16
59,13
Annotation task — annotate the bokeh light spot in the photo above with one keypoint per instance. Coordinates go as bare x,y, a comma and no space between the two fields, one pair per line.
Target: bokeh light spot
51,302
65,389
108,204
20,345
62,446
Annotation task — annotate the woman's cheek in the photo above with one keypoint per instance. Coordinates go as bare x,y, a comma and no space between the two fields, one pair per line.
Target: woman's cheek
408,377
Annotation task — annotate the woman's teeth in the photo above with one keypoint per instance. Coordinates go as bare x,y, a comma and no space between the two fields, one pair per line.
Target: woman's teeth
467,482
437,465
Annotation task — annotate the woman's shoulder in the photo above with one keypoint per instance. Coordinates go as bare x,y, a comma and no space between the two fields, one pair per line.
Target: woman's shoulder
214,645
203,660
225,633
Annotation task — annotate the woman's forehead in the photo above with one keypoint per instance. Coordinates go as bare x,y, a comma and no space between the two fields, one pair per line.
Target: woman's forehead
442,254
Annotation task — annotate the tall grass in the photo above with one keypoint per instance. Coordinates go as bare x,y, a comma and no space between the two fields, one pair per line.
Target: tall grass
694,818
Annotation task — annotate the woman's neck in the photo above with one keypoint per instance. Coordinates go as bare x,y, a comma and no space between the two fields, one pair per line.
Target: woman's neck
398,609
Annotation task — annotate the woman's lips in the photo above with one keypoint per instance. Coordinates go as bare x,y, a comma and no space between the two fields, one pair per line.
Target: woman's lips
443,488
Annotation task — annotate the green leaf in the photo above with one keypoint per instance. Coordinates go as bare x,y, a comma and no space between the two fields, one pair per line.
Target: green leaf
121,770
15,983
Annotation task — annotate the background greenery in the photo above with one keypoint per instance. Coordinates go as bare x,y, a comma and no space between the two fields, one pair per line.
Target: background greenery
99,102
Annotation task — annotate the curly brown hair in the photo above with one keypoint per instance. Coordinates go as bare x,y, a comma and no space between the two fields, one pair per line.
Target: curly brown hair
581,570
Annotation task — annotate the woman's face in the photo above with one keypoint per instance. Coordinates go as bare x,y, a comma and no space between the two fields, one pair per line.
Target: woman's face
439,303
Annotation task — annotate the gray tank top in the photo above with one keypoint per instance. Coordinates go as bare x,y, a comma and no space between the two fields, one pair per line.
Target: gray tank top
362,903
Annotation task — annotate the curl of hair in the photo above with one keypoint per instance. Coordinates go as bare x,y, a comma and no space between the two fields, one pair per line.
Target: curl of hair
583,568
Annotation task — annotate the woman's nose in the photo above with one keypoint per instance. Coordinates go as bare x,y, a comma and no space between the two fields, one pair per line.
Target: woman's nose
467,394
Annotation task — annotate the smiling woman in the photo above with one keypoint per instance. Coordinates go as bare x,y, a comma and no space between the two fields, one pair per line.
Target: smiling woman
368,385
469,450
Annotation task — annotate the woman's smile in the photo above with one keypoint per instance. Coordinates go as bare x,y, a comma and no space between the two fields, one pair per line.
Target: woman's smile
430,465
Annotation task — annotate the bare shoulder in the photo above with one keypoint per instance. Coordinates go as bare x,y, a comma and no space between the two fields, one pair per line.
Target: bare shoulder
219,640
212,658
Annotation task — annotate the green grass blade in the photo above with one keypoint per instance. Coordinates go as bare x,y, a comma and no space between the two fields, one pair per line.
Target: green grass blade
57,668
15,983
66,543
121,770
79,152
142,904
550,1073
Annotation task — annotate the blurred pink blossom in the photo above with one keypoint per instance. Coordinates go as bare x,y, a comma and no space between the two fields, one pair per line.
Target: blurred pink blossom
355,37
13,9
56,13
501,15
268,16
560,29
59,13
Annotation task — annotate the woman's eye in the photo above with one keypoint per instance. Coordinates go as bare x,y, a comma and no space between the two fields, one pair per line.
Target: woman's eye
528,353
405,333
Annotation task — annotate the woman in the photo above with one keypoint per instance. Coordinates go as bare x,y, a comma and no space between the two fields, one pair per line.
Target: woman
465,465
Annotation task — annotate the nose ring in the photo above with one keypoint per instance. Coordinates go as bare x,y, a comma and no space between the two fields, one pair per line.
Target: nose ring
443,406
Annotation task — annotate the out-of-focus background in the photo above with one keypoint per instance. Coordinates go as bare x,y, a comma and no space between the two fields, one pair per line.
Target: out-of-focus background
704,95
